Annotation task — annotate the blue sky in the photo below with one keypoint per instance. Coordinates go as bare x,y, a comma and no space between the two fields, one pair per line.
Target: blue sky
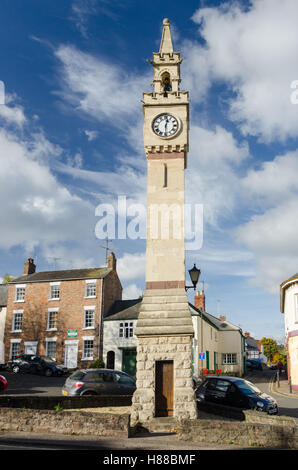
71,138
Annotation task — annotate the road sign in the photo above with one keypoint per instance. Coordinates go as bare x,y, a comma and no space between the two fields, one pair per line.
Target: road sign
201,355
72,333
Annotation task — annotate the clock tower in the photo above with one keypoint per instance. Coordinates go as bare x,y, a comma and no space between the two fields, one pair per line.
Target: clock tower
164,328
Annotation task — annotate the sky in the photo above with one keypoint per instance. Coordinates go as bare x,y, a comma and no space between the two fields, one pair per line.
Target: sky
71,140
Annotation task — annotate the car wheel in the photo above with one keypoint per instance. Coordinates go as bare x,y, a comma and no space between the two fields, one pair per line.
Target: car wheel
16,369
48,372
89,393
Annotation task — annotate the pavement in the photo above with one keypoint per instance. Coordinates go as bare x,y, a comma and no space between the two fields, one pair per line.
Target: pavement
283,387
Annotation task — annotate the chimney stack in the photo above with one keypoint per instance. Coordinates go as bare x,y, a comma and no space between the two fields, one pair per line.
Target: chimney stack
200,300
112,262
29,266
222,318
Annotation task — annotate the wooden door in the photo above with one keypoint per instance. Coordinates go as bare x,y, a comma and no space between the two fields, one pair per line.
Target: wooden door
129,361
164,388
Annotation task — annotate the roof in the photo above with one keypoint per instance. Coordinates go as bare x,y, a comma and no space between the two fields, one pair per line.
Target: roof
283,286
66,275
130,309
224,377
251,343
124,310
3,295
216,322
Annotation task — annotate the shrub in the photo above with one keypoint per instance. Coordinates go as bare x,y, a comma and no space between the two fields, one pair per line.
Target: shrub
97,364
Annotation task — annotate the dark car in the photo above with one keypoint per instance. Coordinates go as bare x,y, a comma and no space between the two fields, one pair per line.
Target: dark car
32,364
254,364
236,392
3,383
99,382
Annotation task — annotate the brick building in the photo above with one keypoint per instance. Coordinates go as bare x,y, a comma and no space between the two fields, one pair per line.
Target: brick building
59,313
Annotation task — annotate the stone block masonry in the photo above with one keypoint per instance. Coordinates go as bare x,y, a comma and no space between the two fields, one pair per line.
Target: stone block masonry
152,349
64,422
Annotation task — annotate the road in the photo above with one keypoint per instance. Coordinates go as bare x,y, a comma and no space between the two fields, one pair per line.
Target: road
287,406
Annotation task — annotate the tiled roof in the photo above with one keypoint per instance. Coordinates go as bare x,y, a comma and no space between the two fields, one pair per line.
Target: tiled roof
124,310
67,275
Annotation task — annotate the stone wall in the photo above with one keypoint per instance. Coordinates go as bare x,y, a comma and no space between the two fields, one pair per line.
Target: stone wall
258,430
164,348
64,422
49,403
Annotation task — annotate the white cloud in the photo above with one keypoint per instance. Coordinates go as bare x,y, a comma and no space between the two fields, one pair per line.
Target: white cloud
34,206
12,114
100,89
253,51
132,291
91,135
132,266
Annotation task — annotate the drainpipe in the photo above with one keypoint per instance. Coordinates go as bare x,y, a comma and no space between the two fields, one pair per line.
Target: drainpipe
100,332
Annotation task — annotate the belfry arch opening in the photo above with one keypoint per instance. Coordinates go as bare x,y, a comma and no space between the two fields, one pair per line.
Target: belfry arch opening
166,84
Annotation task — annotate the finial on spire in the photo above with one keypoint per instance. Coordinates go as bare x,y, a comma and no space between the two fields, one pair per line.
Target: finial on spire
166,45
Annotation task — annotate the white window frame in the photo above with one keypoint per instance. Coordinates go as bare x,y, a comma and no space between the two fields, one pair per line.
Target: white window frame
90,308
229,361
13,342
88,282
23,287
126,329
15,313
296,308
51,340
52,310
54,284
85,339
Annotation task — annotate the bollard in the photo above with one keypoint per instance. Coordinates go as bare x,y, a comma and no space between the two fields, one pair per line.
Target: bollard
278,384
290,384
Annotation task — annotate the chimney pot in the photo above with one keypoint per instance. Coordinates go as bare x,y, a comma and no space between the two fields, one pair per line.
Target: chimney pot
222,318
246,333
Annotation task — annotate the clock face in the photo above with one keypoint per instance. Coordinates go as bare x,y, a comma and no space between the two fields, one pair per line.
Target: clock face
165,125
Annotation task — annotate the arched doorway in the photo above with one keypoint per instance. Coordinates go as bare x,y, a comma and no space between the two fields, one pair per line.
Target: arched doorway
110,360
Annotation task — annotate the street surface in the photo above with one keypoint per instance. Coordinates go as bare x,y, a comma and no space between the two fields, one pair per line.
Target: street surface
287,406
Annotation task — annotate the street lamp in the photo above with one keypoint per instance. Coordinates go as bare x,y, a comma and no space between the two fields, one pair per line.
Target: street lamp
194,274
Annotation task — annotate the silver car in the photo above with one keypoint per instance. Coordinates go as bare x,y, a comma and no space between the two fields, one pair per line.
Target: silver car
99,382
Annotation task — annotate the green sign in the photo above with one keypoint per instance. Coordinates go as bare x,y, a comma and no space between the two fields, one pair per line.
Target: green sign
72,333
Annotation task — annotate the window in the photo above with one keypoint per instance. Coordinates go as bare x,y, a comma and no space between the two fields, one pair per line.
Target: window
124,379
51,349
90,288
222,385
52,319
88,349
229,359
55,291
126,329
15,349
20,294
89,318
17,322
296,308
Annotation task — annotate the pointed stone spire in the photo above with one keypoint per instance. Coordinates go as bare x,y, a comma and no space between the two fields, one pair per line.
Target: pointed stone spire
166,45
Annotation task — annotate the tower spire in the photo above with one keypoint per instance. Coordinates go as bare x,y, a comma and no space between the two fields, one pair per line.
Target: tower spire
166,45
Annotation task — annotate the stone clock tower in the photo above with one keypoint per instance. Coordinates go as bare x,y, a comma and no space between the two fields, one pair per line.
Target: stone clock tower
164,328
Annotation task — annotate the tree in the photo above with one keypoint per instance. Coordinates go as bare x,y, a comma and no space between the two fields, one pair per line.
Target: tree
270,347
7,278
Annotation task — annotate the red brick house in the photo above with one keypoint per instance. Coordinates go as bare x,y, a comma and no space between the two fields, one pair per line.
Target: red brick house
59,313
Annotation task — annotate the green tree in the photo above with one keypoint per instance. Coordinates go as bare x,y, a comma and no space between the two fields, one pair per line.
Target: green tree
7,278
270,347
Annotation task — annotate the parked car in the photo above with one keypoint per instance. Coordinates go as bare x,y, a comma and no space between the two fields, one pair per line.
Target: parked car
3,366
99,382
3,383
32,364
254,364
236,392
